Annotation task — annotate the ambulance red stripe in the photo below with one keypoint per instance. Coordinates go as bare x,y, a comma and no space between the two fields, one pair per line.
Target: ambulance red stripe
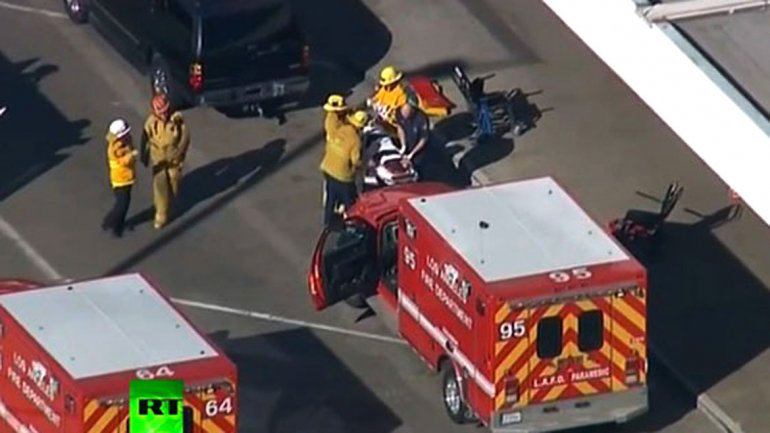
532,321
616,372
570,336
619,318
94,418
600,385
541,393
512,316
571,391
522,361
114,423
636,304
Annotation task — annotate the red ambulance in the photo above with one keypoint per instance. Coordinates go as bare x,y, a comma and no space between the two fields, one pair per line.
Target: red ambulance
533,314
69,352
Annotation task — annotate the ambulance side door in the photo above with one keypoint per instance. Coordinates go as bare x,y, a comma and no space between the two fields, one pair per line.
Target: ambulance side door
344,263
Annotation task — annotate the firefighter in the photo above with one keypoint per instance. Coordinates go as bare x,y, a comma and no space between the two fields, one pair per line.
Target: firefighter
165,141
391,93
336,109
341,159
121,157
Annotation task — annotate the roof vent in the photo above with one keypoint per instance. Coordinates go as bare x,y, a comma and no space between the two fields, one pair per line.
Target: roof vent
483,225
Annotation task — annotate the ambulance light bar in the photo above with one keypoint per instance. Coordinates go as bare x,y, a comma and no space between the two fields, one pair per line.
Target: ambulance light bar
618,293
209,388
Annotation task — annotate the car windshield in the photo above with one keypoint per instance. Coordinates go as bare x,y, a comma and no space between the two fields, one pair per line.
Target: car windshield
221,32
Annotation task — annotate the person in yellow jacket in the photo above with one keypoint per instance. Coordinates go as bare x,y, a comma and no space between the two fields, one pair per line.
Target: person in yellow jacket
121,157
341,159
336,110
165,141
391,94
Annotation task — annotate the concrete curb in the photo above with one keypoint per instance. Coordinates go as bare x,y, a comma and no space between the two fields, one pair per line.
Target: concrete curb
704,402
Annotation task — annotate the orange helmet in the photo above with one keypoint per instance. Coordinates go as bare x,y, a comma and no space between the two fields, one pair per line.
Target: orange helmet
160,104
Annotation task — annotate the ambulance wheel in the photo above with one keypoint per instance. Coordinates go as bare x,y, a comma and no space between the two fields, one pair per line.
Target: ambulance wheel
357,301
453,397
77,10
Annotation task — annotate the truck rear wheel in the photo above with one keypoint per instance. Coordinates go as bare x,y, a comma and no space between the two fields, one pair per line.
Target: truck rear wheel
453,397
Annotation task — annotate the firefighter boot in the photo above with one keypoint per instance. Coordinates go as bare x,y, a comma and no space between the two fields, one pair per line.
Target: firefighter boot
161,196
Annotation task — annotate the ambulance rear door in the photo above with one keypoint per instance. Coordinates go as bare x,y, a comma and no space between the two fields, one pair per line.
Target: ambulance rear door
574,347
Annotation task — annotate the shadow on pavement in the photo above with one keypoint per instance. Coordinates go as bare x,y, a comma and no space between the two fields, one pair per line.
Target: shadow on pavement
217,177
33,133
481,155
290,382
458,128
180,227
437,166
708,314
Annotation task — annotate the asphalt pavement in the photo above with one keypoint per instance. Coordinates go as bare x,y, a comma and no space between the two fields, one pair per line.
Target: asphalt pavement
251,196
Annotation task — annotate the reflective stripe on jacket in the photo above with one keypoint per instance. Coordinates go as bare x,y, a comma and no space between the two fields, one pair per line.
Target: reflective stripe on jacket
387,101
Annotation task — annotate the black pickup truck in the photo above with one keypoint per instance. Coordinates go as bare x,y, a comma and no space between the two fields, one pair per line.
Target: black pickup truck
242,54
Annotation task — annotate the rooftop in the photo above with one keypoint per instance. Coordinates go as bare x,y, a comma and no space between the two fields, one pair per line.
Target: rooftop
531,227
106,326
737,43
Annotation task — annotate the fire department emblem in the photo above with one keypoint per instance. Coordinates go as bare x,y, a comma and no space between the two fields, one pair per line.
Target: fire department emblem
47,383
451,277
409,258
411,230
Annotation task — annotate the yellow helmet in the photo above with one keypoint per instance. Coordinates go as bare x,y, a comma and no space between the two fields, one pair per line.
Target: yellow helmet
390,75
335,103
358,119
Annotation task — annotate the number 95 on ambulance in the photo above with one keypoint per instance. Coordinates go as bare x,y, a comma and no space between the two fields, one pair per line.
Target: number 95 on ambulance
129,360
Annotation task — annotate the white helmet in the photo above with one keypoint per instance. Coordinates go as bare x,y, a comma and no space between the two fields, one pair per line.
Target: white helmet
119,128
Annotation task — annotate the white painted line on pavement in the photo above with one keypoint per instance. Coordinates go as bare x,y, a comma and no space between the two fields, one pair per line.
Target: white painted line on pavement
39,261
50,272
278,319
39,11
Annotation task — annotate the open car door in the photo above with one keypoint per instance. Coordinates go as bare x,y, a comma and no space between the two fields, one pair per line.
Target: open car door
344,263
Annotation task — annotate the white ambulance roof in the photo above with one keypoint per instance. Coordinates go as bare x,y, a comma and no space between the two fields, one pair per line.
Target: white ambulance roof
534,226
106,326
